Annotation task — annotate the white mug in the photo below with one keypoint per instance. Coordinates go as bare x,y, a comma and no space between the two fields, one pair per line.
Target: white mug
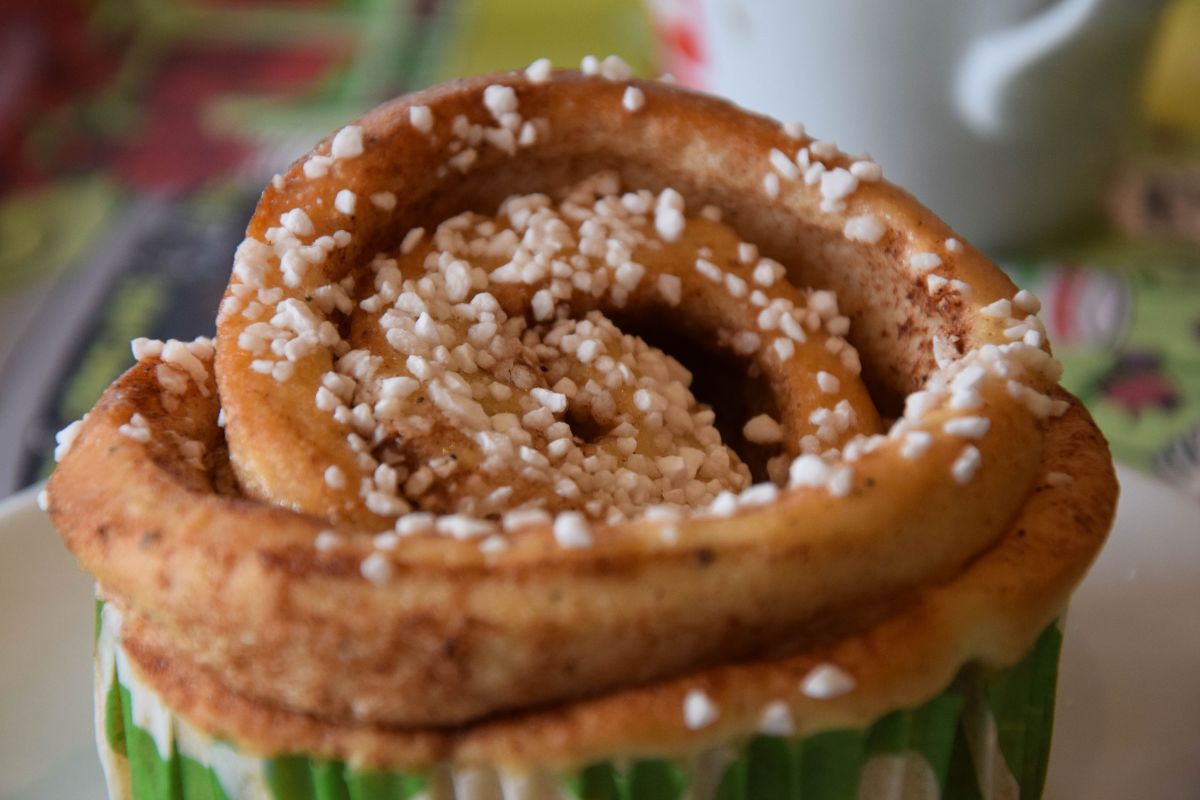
1005,117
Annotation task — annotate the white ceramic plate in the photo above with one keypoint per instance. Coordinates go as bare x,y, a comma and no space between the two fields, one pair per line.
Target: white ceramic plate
1129,704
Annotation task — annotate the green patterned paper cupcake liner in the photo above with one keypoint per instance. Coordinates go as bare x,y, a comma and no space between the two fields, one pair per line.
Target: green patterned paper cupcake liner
986,736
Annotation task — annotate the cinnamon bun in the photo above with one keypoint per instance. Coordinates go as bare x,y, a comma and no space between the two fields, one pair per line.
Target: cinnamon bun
562,429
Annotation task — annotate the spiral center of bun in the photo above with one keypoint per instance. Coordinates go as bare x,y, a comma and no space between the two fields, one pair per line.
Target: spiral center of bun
476,370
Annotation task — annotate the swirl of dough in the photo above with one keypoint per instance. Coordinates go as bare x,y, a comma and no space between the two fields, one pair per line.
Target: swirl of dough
479,377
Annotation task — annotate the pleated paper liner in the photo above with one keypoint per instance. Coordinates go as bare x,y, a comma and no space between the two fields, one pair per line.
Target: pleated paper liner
986,736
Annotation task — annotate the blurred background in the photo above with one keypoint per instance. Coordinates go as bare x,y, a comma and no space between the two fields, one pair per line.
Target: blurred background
1063,136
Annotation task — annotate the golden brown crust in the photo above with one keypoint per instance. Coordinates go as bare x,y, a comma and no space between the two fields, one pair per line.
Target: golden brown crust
235,589
990,612
238,586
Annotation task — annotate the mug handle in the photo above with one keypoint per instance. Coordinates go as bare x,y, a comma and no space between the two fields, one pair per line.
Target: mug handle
996,64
